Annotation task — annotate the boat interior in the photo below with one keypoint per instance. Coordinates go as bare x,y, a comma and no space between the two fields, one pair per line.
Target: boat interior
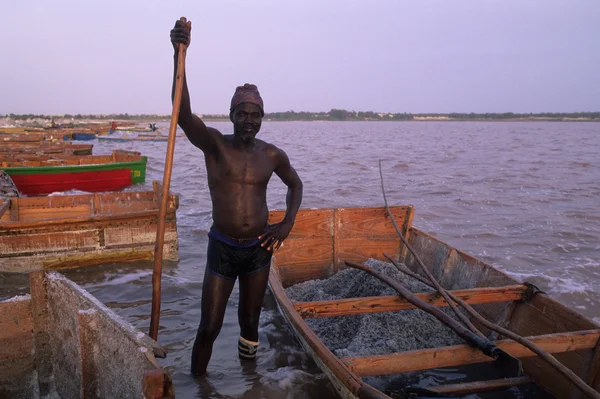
59,341
322,240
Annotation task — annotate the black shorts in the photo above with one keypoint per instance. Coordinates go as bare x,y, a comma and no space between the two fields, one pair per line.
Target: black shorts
230,258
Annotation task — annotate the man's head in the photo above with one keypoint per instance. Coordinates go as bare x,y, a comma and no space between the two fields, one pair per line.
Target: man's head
246,112
247,93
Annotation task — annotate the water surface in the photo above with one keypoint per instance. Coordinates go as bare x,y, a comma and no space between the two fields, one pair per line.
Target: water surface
523,196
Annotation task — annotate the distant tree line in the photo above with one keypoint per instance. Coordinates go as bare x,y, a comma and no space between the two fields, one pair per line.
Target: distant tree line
336,115
107,117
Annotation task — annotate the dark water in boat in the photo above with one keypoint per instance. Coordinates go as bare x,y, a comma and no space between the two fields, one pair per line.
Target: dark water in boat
523,196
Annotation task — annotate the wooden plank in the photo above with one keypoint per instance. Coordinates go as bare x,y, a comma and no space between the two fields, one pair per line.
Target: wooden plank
4,206
593,372
363,233
109,219
466,272
42,331
41,214
158,384
480,386
87,329
74,260
406,228
16,340
464,354
369,223
22,244
359,249
350,306
132,234
308,251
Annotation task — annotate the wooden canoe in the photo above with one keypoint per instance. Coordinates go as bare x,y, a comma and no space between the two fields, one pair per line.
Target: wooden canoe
42,147
60,341
82,230
122,139
91,173
323,239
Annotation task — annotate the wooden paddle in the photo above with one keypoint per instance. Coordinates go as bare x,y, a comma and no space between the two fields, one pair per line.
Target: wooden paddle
164,199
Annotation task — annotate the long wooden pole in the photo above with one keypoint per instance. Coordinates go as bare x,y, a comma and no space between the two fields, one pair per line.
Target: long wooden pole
164,200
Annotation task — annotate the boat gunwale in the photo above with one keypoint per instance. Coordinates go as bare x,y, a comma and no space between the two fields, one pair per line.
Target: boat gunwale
92,167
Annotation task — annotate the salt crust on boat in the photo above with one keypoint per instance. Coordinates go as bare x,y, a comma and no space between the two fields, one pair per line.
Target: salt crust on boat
372,333
18,298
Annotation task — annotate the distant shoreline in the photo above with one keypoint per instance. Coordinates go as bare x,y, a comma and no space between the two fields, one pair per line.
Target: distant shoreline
31,120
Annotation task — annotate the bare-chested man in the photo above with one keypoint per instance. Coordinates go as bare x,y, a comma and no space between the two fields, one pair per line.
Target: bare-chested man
241,243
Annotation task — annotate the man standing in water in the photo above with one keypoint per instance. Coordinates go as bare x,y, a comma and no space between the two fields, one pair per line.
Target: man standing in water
241,242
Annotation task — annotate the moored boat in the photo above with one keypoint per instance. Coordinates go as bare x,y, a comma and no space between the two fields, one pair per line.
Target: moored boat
320,243
93,173
123,139
83,136
82,230
58,148
60,341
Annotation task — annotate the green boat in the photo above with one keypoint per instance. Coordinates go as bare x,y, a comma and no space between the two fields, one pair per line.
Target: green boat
86,173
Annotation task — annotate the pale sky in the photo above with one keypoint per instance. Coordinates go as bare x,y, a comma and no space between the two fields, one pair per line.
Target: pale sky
115,56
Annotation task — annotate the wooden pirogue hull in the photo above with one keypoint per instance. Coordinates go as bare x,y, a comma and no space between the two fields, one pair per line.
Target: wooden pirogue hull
88,173
82,230
60,341
45,148
126,139
322,239
90,178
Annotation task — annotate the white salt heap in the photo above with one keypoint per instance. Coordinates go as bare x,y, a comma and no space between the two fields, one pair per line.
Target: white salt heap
373,333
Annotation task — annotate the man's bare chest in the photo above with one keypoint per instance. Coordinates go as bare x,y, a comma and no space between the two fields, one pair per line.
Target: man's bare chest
241,167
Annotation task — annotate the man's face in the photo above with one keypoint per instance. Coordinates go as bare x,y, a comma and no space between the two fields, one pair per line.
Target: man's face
246,119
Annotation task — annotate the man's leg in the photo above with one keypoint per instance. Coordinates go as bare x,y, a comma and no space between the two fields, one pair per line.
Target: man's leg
215,293
252,293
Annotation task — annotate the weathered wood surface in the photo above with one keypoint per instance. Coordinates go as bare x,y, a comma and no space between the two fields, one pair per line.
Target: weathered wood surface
322,239
480,386
350,306
17,363
463,354
544,315
48,232
71,345
66,159
309,246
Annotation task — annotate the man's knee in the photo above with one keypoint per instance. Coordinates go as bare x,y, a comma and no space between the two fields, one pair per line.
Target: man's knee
249,321
208,333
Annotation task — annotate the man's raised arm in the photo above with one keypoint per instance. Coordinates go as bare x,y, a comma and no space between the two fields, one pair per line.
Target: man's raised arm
196,131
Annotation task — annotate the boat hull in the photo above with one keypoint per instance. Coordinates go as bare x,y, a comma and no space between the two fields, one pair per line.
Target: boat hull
93,181
82,136
323,239
75,231
44,180
126,139
60,341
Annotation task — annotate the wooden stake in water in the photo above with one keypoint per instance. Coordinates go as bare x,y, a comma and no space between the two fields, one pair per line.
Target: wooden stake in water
160,231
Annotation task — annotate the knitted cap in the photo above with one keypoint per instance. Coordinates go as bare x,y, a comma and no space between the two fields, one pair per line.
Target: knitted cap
247,93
